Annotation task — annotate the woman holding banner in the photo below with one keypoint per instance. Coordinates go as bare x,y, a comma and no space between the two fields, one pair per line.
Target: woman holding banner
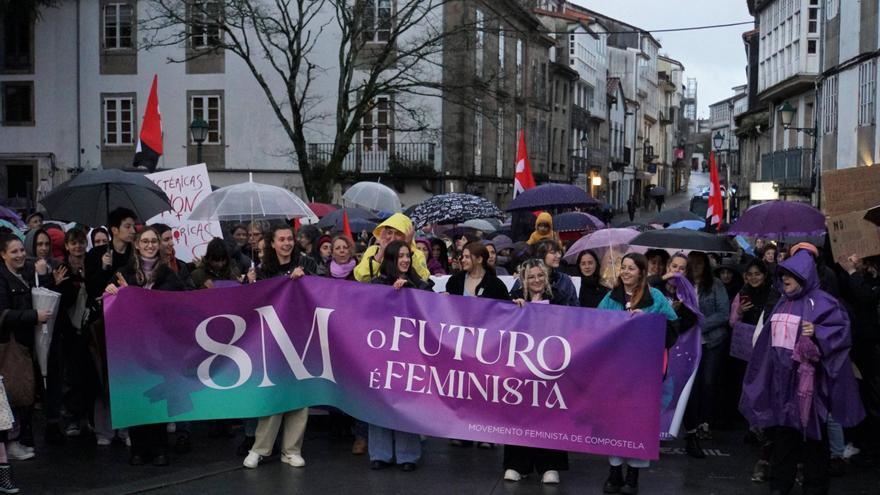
632,293
534,288
385,444
283,258
592,291
477,279
147,268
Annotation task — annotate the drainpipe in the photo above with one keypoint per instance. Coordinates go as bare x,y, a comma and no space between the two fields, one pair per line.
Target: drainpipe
78,96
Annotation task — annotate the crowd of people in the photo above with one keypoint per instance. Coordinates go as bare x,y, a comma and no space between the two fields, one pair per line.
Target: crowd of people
807,324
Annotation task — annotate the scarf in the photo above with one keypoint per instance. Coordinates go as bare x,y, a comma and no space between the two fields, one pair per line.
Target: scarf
343,270
148,265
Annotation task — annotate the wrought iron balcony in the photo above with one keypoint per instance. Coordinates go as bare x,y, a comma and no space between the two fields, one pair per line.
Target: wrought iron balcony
415,158
791,168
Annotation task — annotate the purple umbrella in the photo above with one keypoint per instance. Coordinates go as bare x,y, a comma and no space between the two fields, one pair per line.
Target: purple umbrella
600,240
549,196
576,221
807,355
11,216
779,220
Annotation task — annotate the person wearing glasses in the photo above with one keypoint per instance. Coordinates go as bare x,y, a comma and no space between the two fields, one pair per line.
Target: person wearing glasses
148,269
534,287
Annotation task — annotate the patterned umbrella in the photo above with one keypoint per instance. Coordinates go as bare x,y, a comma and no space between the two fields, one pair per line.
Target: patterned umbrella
549,196
454,208
576,221
11,216
780,220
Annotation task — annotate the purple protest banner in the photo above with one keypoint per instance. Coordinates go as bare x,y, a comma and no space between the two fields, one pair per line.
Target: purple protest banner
544,376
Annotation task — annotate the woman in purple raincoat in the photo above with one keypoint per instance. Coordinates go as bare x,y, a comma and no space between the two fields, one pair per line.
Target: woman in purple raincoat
792,385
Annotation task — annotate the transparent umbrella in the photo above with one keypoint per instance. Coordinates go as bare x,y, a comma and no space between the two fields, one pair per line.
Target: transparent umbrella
250,200
372,196
44,299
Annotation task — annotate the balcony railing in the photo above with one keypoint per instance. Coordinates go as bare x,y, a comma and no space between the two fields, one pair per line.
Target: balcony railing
579,164
411,157
788,168
598,157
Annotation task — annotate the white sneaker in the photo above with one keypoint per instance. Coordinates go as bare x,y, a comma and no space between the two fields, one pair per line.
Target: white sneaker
512,475
252,460
128,441
72,430
550,477
850,450
103,441
171,427
18,452
294,460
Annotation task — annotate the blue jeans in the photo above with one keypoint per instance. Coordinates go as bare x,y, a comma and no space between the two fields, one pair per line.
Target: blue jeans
836,442
385,444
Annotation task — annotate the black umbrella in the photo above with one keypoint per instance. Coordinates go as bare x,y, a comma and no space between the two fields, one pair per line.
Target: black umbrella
674,216
551,196
658,191
333,220
89,197
873,215
686,240
454,208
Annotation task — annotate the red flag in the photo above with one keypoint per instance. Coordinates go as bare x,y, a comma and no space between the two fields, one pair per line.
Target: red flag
346,228
716,205
149,146
522,179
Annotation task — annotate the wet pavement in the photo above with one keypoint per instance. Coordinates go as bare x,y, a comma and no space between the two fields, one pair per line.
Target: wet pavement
213,468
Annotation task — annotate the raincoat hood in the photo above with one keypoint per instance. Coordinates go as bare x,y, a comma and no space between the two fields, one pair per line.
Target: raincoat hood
398,221
803,268
535,238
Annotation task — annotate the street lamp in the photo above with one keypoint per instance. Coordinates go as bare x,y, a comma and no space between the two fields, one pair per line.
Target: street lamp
198,128
786,114
718,141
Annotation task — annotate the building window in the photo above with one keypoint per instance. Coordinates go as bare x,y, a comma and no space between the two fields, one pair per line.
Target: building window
519,68
500,53
867,91
376,125
207,108
829,105
811,46
118,121
813,17
499,144
480,44
377,20
16,52
118,22
205,24
18,103
478,141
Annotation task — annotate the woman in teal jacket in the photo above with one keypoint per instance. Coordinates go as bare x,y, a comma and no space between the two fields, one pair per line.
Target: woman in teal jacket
632,293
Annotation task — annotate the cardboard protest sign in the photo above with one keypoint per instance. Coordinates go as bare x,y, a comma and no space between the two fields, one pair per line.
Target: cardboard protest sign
847,194
186,187
851,234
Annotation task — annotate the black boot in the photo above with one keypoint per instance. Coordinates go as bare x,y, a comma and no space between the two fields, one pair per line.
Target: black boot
631,486
693,448
6,483
615,480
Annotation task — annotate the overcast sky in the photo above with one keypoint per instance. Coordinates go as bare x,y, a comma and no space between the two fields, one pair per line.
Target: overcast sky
716,57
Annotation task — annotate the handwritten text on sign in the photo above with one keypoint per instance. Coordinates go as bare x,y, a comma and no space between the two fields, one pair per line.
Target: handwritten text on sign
186,187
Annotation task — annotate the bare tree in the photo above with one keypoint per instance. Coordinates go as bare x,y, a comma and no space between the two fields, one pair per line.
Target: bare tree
381,47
